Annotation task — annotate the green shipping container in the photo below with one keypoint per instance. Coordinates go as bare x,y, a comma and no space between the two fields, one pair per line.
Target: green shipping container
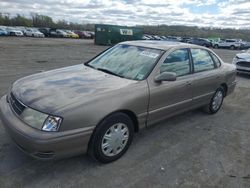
112,34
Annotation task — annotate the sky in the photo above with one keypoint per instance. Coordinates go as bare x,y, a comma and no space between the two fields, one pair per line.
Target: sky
202,13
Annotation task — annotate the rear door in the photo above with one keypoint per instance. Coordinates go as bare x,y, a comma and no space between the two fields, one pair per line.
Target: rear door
207,77
170,97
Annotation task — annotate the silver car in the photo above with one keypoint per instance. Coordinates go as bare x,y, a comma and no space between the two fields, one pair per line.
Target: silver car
97,107
242,62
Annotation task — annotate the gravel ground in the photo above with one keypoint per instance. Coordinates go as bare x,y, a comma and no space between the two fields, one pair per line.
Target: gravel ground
191,150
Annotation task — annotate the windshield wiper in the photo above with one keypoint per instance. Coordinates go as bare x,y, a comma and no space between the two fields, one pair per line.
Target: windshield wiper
109,72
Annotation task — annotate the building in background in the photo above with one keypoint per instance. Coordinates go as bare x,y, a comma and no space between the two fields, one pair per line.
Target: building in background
112,34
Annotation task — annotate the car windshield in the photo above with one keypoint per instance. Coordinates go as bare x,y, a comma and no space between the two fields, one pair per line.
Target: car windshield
131,62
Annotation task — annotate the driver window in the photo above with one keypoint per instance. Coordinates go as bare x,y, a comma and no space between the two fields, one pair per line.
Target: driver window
178,62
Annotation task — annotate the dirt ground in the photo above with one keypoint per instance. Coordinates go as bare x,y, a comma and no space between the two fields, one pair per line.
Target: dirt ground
192,150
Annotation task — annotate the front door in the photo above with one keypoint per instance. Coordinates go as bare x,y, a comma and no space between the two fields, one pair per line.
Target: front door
171,97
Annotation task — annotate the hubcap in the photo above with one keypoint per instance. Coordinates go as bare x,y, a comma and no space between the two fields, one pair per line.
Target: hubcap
115,139
217,100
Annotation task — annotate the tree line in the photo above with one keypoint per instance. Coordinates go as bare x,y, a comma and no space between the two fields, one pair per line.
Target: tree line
37,20
189,31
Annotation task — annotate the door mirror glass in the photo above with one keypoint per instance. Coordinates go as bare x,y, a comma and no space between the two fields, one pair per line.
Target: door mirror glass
166,76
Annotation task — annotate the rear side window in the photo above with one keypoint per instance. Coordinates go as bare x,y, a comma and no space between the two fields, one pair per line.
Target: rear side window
202,60
216,60
177,62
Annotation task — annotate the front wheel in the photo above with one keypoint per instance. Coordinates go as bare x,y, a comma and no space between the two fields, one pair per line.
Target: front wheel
216,101
112,138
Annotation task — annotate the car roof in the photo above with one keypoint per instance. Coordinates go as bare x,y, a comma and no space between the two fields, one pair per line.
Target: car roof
162,45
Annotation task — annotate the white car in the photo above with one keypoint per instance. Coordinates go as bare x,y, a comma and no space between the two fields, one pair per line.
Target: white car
242,62
229,43
14,31
31,32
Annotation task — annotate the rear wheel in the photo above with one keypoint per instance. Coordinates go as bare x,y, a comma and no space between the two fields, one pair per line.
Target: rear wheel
216,101
112,138
216,46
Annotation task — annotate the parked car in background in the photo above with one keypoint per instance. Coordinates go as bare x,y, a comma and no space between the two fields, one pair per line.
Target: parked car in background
72,34
148,37
229,43
242,62
92,34
185,39
173,38
145,37
58,33
33,32
45,31
3,32
14,31
156,37
83,34
89,107
200,42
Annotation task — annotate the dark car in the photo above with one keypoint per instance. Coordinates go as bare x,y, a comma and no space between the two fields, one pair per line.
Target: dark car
92,34
83,34
45,31
200,42
58,33
185,39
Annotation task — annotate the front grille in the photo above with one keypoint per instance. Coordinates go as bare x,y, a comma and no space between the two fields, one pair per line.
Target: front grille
16,105
243,64
242,70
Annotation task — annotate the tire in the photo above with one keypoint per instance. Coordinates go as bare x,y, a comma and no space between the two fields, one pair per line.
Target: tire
111,138
216,46
216,101
232,47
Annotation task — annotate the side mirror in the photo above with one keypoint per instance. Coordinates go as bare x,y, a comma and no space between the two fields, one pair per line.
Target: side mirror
166,76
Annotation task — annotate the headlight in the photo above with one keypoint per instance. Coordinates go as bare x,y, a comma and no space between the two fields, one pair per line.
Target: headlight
40,120
52,124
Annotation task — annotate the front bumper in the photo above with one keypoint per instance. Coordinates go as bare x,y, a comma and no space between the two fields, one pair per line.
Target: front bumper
40,144
241,69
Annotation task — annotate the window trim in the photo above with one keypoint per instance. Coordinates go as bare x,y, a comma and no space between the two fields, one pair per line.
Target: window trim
215,64
209,56
190,61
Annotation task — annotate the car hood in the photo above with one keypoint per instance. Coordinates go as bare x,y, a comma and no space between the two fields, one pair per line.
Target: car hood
245,56
49,91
